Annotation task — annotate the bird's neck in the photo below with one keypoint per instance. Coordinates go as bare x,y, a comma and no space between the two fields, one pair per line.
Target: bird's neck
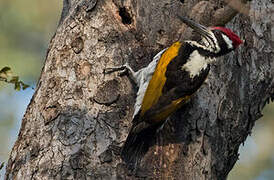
205,50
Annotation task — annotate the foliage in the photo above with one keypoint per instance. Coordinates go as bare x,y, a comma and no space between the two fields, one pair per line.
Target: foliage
7,76
25,31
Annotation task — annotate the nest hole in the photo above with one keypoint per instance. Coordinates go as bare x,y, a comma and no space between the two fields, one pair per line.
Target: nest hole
126,18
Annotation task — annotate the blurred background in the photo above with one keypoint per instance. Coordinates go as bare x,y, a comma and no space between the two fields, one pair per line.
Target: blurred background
26,28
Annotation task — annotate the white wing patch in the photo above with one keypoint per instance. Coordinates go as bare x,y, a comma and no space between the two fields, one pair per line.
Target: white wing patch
195,64
227,41
143,77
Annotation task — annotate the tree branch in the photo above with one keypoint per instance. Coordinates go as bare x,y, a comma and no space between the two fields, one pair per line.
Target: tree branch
227,13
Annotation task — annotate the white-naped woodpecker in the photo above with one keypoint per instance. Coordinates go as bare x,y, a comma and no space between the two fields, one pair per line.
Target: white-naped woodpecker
169,81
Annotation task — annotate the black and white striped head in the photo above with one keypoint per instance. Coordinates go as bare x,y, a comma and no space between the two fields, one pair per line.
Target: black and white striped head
227,40
217,40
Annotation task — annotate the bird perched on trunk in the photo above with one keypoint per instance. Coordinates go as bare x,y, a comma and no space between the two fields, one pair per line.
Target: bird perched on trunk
169,81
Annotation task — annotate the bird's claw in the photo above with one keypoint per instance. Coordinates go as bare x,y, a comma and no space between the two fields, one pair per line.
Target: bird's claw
122,70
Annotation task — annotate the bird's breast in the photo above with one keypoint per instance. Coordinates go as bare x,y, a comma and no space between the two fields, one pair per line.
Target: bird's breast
195,64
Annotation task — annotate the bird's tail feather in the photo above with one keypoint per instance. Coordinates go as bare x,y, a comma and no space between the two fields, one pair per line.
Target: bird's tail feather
136,146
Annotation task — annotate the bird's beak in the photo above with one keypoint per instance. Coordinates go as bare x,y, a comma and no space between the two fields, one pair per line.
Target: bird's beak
202,30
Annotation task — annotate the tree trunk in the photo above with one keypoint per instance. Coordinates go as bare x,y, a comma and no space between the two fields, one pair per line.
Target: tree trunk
79,117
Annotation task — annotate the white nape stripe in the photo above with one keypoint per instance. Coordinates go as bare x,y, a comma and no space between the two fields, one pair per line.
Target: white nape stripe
143,77
208,47
227,41
195,64
211,44
216,44
194,43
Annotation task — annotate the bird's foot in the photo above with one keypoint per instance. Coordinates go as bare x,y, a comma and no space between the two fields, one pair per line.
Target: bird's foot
122,70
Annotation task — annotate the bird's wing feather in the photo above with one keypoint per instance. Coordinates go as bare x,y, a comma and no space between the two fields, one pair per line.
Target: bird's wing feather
166,105
157,82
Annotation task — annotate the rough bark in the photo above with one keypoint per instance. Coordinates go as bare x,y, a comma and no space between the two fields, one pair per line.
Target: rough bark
79,118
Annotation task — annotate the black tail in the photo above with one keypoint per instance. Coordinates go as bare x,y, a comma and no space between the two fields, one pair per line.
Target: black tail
136,146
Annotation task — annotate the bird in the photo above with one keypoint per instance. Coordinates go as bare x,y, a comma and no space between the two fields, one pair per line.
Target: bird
169,81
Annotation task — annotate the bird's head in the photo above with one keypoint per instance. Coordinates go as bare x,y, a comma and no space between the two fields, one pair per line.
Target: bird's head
218,40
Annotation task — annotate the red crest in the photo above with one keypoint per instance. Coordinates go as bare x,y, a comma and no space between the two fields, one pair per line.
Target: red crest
232,36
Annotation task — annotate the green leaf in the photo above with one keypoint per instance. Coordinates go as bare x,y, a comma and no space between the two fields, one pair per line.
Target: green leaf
5,70
3,79
24,86
14,79
5,75
17,86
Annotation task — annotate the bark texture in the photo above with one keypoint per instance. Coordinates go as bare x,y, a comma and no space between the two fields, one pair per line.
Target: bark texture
79,118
